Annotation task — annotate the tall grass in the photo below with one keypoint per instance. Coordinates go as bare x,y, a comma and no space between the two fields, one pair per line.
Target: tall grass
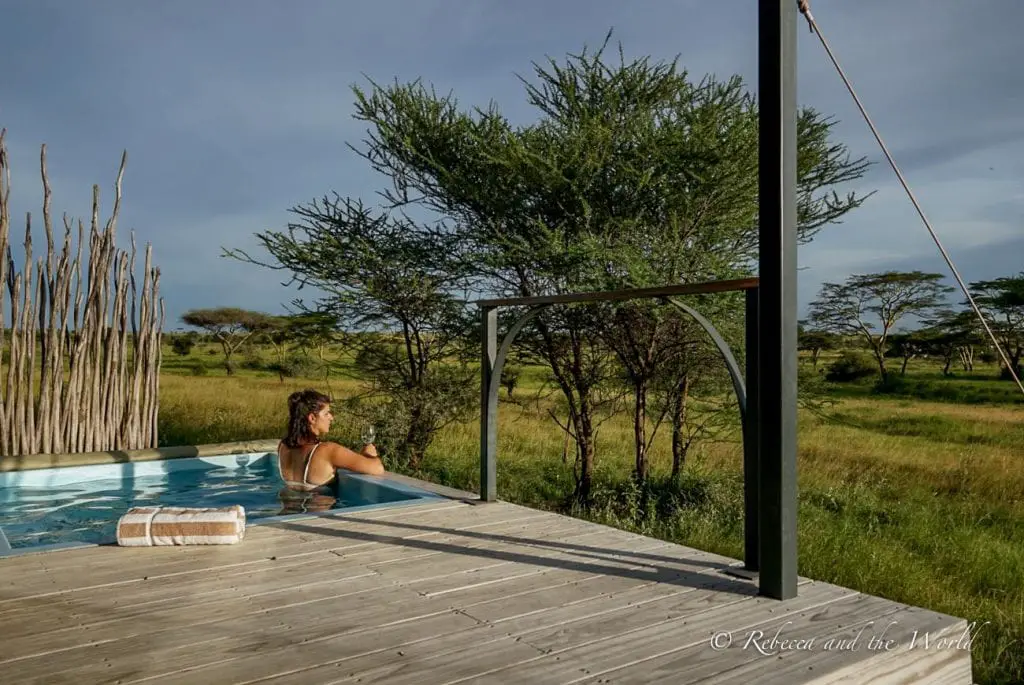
920,502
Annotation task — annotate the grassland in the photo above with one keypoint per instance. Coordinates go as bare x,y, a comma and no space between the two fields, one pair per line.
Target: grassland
917,500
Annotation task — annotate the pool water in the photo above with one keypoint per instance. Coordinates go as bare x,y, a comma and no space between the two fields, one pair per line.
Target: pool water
83,504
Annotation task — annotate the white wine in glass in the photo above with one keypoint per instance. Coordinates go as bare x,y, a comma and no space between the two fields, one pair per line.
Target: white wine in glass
368,435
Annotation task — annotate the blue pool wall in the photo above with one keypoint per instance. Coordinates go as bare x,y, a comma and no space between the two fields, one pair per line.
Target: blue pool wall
66,475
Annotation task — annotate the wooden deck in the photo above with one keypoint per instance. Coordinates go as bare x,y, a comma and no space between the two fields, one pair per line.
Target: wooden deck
442,592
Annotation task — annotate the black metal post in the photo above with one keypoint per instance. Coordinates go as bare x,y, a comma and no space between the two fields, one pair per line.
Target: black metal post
488,405
751,470
777,327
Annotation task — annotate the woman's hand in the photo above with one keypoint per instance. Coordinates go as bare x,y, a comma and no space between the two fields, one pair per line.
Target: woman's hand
364,461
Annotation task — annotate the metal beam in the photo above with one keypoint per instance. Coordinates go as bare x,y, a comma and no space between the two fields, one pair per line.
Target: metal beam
751,460
488,406
632,294
777,326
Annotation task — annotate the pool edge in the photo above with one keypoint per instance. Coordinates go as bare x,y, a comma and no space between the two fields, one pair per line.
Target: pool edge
32,462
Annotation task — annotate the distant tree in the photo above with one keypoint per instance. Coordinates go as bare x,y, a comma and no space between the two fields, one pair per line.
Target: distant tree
952,335
307,331
907,346
230,326
313,331
815,342
278,333
871,305
1002,303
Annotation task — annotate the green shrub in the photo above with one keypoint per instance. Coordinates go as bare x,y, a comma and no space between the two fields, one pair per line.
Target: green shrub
182,345
948,390
298,366
253,362
851,365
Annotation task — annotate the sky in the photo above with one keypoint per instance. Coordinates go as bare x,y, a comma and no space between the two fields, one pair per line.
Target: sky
236,110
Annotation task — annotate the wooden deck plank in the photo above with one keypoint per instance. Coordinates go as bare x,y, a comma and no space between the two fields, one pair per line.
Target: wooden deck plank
470,595
452,577
553,606
38,612
519,620
661,661
107,556
321,584
604,639
144,599
483,664
142,667
601,645
438,592
316,659
911,660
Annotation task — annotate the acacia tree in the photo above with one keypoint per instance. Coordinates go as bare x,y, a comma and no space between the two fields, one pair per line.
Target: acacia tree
230,326
1002,303
381,271
637,334
632,174
689,367
278,333
815,342
869,306
909,345
953,334
306,331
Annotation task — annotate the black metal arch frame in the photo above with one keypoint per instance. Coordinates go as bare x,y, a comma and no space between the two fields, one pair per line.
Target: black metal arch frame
494,356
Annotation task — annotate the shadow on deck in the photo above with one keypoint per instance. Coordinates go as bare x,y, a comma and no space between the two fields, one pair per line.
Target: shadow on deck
448,591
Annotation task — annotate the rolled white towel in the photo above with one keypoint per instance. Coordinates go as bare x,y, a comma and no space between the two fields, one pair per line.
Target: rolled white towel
159,526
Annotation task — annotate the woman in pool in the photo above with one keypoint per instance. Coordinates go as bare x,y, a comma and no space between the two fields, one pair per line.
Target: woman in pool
307,464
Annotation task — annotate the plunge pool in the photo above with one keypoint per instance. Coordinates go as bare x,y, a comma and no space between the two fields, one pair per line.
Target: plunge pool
72,506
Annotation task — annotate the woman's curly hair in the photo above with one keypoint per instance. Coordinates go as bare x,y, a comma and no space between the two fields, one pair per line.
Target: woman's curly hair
300,405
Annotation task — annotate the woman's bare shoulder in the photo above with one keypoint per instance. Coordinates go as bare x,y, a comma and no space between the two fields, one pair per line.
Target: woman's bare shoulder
329,449
343,457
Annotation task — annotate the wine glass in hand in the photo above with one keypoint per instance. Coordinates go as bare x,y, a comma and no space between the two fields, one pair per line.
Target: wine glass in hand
368,435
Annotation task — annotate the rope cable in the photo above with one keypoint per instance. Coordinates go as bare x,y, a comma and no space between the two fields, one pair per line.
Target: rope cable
805,9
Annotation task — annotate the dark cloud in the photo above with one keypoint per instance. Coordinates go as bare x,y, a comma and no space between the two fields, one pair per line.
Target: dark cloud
233,111
1004,258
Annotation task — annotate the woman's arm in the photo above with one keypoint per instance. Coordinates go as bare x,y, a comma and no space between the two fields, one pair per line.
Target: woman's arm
343,458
